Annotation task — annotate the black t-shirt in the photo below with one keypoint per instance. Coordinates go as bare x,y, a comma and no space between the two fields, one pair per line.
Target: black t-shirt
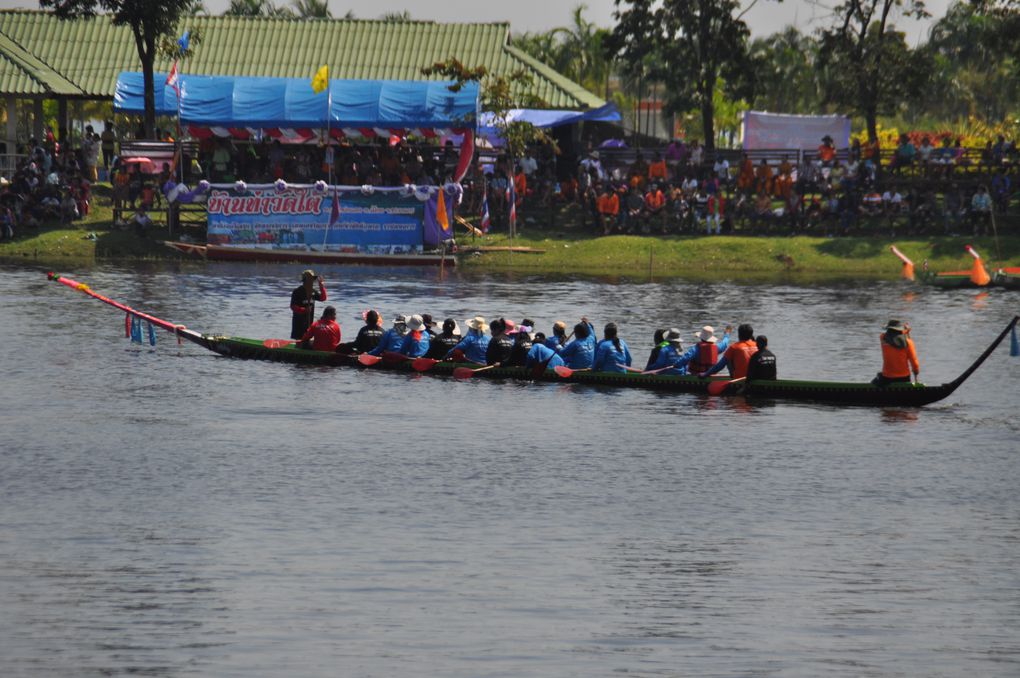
440,345
368,338
519,354
762,365
499,350
302,321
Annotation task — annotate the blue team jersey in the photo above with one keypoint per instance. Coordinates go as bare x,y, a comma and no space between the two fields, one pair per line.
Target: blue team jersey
540,354
473,345
415,348
609,359
391,341
580,353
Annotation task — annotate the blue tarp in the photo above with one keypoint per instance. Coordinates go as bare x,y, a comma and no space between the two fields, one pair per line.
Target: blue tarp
230,101
542,118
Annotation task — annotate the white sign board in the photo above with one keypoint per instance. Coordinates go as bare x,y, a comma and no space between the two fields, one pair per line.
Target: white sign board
804,132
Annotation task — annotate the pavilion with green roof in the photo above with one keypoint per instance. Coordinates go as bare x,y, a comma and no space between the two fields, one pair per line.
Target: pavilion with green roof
45,58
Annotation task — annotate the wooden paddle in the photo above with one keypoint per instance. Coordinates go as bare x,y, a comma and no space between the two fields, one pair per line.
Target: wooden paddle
719,387
278,343
467,372
423,364
566,372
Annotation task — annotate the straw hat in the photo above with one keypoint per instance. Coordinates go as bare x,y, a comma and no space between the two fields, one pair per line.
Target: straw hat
707,333
477,323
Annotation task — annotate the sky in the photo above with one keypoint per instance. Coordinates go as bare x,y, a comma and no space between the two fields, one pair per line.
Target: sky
765,18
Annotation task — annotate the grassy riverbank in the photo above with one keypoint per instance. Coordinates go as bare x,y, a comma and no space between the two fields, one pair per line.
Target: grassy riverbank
738,256
570,252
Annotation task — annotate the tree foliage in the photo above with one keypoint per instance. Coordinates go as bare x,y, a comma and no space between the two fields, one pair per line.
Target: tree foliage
869,66
149,21
691,46
577,51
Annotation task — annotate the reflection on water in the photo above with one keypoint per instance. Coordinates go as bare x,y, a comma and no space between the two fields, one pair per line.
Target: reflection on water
167,511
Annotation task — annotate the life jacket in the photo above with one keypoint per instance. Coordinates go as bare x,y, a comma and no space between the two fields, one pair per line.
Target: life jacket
739,355
896,362
499,349
706,356
654,199
368,338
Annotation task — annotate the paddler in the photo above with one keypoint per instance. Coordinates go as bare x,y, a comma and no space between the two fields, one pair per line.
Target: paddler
762,365
541,355
473,346
671,359
611,352
445,341
416,341
522,343
370,334
559,336
737,355
502,343
899,357
580,353
393,338
302,302
705,354
324,334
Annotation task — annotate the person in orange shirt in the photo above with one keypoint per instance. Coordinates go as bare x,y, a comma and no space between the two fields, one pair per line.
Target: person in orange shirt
520,185
827,151
737,356
608,204
657,171
655,207
899,356
745,177
763,177
782,185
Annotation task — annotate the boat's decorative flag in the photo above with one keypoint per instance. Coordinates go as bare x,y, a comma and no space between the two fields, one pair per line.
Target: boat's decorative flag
173,80
1014,343
134,330
486,220
467,154
320,80
184,41
442,216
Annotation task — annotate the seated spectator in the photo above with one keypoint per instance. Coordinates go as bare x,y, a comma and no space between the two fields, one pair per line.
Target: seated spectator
140,221
827,152
745,175
657,170
6,223
892,202
721,168
925,152
654,208
1001,192
905,153
762,214
608,206
763,177
981,210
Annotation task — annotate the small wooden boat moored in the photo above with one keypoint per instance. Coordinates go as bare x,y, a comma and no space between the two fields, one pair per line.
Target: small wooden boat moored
846,393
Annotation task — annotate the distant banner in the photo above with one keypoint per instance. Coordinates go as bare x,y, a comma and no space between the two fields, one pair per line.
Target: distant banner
802,132
298,219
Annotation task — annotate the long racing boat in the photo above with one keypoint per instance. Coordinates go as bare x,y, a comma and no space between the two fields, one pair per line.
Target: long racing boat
846,393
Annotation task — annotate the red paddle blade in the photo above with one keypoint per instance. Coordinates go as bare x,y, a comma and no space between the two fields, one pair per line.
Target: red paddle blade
366,359
463,373
423,364
277,343
563,370
717,387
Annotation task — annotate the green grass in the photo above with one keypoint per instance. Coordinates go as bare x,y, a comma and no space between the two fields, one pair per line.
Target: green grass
736,256
570,250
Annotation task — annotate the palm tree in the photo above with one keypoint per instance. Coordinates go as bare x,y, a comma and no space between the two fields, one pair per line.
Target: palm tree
256,8
312,9
396,16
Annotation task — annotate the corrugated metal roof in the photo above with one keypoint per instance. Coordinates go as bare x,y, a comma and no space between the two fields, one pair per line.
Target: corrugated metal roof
89,54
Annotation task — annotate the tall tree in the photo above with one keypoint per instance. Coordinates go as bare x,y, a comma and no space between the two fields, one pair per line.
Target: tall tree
577,51
870,66
786,73
690,46
149,22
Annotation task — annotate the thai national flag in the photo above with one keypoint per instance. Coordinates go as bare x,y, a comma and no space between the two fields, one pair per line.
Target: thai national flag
511,198
486,220
172,79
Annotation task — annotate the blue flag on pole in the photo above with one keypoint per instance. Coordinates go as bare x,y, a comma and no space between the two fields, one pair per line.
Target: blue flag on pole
184,41
1014,344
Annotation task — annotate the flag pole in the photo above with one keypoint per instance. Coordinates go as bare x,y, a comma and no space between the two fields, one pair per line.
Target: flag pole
329,109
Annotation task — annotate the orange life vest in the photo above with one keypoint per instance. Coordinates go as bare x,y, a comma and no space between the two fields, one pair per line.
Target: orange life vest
706,356
738,355
898,362
654,200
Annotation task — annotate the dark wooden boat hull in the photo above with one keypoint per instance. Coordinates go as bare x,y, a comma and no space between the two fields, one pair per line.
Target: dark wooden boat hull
847,393
843,393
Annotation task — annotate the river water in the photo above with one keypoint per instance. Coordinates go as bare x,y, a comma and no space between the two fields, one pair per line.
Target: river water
168,512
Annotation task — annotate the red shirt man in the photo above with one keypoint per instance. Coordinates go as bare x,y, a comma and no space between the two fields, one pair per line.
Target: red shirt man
324,334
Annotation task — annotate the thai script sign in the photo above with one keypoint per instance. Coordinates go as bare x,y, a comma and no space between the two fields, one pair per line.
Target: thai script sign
300,219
